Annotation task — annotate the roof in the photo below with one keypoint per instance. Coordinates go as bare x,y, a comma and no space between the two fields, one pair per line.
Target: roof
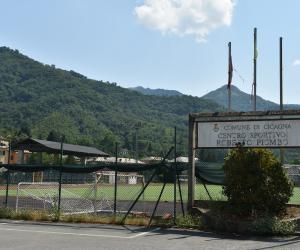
36,145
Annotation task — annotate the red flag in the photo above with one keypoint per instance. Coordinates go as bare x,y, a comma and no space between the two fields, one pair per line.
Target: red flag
230,67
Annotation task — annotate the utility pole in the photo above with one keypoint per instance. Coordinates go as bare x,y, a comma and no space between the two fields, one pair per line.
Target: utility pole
137,126
254,68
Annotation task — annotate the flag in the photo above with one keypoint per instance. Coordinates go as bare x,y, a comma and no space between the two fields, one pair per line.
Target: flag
230,67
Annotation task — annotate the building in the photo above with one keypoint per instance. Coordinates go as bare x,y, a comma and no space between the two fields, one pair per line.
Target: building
113,160
293,172
4,151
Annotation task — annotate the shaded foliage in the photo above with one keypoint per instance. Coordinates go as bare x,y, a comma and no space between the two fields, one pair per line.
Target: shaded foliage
255,182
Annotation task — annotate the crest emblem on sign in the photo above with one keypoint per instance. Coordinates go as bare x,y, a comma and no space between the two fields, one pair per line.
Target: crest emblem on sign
216,127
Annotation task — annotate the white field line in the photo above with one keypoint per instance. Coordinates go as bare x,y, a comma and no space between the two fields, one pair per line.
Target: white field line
79,234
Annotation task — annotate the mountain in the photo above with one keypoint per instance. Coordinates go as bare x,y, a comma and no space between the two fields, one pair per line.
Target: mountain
156,92
42,101
241,101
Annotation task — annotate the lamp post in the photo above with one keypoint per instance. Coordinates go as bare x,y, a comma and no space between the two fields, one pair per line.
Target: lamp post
137,126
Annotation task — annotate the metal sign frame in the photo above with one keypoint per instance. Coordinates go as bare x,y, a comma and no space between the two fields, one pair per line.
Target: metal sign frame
197,118
238,121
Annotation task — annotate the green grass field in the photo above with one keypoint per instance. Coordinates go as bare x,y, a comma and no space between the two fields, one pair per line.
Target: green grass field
129,192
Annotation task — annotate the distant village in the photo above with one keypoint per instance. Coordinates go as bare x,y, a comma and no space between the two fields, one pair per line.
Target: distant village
23,156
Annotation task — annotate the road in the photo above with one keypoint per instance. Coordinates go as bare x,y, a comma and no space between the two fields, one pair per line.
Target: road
28,235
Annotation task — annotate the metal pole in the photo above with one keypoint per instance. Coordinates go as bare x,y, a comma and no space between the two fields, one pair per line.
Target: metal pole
95,193
136,144
60,172
159,197
204,185
254,66
229,72
280,73
191,169
180,194
229,99
175,174
116,180
281,90
148,182
7,174
140,194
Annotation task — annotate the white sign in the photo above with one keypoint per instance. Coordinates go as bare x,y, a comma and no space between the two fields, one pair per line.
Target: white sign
268,133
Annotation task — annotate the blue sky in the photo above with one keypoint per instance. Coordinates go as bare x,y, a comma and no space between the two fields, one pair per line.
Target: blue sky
183,47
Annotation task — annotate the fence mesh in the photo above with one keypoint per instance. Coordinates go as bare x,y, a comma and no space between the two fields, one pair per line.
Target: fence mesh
98,193
210,164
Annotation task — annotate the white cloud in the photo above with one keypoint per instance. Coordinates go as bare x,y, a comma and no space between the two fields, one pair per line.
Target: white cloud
296,62
186,17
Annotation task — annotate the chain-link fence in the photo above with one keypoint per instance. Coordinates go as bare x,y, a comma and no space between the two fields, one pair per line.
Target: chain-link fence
210,177
104,192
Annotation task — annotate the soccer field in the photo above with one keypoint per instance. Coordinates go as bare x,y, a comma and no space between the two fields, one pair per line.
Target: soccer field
130,192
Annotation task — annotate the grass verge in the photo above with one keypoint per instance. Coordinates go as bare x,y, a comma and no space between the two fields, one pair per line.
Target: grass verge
212,221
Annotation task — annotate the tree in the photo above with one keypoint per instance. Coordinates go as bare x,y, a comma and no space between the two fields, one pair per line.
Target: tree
109,143
54,136
255,182
25,131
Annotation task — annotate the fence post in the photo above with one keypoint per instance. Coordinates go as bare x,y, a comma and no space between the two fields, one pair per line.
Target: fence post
180,194
7,174
60,173
116,180
7,186
157,202
191,169
175,174
95,193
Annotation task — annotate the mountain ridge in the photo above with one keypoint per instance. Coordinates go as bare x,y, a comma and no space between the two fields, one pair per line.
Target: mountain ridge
156,92
241,101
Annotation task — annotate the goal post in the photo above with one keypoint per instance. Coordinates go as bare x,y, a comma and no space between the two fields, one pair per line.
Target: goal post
36,195
96,195
123,178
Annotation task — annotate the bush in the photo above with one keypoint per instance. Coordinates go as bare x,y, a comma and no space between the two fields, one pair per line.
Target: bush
259,226
188,221
255,182
272,226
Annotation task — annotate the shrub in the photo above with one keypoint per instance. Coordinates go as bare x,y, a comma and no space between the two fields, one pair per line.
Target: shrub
255,182
5,213
188,221
272,226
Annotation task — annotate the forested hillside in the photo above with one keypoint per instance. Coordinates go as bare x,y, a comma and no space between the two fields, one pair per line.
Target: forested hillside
45,102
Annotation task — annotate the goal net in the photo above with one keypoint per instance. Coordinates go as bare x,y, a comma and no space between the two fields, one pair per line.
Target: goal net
122,178
37,196
85,197
75,198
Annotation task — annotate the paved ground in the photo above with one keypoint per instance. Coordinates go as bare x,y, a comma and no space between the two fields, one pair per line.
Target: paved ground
26,235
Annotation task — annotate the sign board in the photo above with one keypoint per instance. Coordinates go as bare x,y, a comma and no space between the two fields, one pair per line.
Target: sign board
267,134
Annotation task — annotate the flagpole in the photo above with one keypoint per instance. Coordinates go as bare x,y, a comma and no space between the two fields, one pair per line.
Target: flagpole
254,66
229,76
280,73
281,91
